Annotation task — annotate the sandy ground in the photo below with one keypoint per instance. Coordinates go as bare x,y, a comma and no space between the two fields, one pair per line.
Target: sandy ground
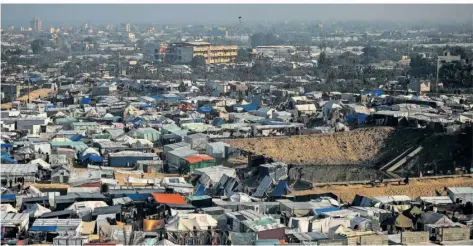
121,177
341,148
413,190
43,93
47,186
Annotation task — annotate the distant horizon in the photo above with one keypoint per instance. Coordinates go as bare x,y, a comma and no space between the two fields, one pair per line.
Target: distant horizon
227,14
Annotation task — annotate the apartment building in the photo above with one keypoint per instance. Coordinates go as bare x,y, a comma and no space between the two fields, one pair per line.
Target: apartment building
185,51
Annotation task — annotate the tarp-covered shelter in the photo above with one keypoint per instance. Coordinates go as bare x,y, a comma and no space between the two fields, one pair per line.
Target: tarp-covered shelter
35,210
403,222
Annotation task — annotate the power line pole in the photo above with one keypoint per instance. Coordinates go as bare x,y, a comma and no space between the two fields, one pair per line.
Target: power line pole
438,63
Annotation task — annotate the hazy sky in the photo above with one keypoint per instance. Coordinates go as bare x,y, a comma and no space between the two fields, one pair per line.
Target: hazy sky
21,14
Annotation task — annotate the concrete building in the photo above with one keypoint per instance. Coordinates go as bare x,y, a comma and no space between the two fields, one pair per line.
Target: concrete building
184,52
128,28
275,51
421,87
37,25
131,36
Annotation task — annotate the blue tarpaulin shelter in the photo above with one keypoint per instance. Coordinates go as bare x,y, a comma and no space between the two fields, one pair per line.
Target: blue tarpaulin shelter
246,107
200,190
143,106
44,228
281,189
7,146
205,109
76,137
8,197
6,159
48,107
138,197
372,92
85,100
92,158
95,158
356,118
323,210
218,121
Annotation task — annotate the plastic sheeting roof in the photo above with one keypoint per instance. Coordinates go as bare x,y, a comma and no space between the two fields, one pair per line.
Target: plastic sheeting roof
263,186
18,170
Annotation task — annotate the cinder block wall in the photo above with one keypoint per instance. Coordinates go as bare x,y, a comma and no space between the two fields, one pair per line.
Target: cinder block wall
374,240
414,237
456,234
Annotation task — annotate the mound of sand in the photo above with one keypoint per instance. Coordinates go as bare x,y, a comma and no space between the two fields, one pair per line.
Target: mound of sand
355,147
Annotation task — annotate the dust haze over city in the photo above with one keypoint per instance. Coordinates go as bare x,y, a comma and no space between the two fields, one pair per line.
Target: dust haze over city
236,124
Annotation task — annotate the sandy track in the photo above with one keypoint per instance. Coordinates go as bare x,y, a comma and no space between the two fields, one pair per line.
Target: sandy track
426,187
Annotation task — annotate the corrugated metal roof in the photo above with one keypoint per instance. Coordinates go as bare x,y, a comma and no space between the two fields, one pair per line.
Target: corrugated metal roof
13,219
60,223
183,152
131,153
309,236
18,169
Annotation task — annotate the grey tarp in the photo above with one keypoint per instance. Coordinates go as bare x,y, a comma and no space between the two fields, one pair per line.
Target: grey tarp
238,238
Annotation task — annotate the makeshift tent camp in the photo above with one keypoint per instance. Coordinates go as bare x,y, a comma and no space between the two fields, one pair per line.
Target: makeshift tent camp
205,109
35,210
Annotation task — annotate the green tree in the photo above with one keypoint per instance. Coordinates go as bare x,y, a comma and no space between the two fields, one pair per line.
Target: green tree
198,61
456,74
262,39
422,67
322,59
37,46
260,70
243,55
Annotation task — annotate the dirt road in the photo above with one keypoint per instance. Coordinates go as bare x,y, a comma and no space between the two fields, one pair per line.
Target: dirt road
413,190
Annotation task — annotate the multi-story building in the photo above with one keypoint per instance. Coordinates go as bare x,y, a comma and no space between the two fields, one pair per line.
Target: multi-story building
186,51
36,25
131,36
128,28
